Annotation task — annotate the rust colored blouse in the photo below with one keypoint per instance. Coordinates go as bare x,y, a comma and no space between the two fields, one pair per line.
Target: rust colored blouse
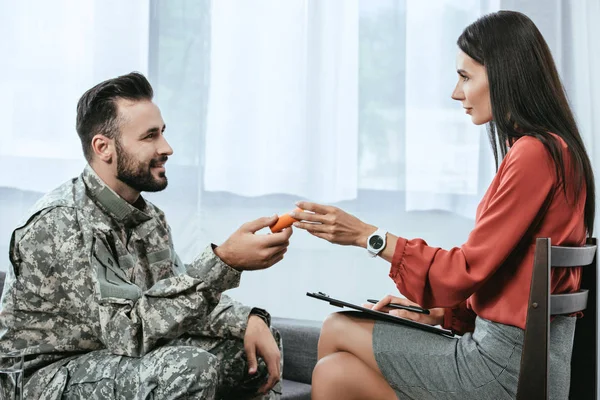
490,274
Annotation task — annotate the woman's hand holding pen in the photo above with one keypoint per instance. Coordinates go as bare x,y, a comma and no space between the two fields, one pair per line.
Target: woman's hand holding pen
435,316
337,226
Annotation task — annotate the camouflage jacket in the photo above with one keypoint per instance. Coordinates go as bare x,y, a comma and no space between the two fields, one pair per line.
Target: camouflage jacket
91,271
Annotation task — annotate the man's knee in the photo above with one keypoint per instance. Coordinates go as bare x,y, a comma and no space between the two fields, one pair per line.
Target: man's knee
182,361
181,368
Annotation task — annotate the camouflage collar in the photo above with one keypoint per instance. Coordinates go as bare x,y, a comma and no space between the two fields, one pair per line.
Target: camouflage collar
111,202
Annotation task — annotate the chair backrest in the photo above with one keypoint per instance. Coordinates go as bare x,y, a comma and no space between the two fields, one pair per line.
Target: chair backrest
533,376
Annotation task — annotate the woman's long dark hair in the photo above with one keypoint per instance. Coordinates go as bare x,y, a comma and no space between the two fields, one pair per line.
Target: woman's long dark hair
527,96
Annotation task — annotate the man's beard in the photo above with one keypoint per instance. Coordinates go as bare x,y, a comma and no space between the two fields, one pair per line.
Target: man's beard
139,176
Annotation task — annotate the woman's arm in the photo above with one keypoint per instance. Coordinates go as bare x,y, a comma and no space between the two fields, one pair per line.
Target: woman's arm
434,277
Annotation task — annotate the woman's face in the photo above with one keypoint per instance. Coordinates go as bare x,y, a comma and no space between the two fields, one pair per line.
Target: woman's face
472,89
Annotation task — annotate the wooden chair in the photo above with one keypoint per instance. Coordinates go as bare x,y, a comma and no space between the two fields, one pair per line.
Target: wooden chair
533,377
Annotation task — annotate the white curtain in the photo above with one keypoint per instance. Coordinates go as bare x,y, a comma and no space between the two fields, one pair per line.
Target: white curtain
582,63
283,102
52,51
442,144
283,110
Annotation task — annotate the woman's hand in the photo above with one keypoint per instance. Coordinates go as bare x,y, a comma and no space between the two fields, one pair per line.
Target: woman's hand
435,316
332,224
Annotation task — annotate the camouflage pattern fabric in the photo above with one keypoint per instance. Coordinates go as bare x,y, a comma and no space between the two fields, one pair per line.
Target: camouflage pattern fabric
95,288
191,367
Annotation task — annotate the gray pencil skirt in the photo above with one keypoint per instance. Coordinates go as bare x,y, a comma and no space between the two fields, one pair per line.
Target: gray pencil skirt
483,365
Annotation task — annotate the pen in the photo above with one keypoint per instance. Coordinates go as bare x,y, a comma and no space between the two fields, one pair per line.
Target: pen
403,307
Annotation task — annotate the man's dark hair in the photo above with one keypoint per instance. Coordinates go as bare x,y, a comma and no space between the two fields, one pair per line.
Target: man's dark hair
97,111
527,96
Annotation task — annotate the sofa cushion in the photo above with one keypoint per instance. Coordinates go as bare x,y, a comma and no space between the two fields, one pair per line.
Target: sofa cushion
300,339
295,390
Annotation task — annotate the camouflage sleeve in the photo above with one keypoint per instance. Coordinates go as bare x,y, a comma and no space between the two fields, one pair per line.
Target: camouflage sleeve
170,308
229,319
57,251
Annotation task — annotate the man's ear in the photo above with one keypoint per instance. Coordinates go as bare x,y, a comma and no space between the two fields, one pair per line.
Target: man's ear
103,147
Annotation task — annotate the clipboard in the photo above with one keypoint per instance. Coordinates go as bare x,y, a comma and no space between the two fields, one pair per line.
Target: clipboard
381,315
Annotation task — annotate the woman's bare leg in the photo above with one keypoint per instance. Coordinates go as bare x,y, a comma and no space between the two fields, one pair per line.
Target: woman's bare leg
347,368
343,376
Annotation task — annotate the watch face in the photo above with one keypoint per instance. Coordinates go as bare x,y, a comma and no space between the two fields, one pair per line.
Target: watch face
376,242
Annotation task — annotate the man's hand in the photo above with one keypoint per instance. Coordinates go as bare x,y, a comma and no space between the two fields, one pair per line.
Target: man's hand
246,251
435,316
259,340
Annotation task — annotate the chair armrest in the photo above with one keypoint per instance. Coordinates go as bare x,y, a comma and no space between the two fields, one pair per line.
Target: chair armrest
300,339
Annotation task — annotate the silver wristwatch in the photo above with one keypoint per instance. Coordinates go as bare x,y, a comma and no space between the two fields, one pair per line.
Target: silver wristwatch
376,242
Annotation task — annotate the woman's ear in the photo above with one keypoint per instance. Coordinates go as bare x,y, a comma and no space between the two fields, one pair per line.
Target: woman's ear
103,148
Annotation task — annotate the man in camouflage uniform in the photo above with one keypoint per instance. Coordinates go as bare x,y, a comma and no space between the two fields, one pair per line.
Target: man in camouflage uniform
99,301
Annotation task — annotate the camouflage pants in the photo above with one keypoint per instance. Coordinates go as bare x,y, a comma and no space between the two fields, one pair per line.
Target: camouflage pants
185,368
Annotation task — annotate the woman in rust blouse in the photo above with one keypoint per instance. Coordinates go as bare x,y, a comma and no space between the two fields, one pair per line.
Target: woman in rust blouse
544,187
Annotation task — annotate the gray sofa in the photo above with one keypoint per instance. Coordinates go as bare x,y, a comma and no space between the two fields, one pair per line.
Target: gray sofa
300,339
